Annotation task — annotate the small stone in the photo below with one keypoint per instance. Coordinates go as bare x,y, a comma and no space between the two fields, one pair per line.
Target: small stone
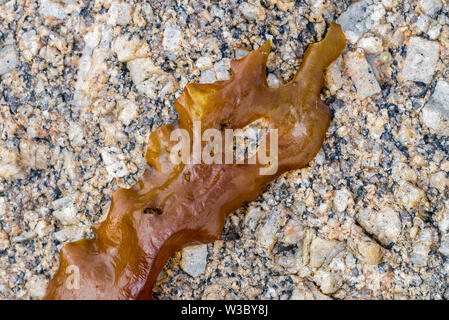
334,75
307,291
42,228
402,171
388,4
127,111
439,181
443,218
359,242
172,38
33,154
67,215
2,206
361,74
329,282
29,44
435,113
24,236
62,202
9,167
343,198
240,53
76,134
397,39
273,81
293,232
92,66
408,195
384,224
203,63
371,45
194,260
421,60
423,23
252,11
38,287
430,7
128,49
64,210
252,218
444,245
69,234
119,13
323,251
142,69
149,78
222,70
208,76
49,8
115,166
266,234
434,31
291,261
93,37
8,59
355,19
422,246
371,252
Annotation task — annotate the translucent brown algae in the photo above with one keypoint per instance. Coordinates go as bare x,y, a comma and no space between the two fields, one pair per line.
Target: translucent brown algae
173,206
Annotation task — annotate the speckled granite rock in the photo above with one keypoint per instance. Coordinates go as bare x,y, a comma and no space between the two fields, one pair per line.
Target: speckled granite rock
84,82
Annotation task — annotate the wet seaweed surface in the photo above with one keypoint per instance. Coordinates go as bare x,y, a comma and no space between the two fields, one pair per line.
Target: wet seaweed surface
177,205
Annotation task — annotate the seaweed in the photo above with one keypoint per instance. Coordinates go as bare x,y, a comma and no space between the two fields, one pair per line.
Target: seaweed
175,205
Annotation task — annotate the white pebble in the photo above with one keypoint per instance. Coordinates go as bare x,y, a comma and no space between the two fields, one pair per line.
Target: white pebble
343,198
204,63
119,14
444,246
49,8
355,20
67,215
421,60
9,166
126,48
113,159
361,74
371,45
69,234
172,38
408,195
423,23
128,111
384,224
252,11
8,59
273,81
208,76
430,7
222,69
323,251
194,260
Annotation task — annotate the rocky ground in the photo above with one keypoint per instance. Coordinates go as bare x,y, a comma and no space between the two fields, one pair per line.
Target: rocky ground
84,82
